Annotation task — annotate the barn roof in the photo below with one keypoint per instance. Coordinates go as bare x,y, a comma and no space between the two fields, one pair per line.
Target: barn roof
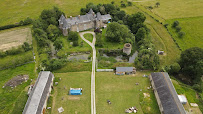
167,94
124,69
39,93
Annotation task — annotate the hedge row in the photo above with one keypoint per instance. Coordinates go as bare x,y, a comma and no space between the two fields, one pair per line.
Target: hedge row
27,21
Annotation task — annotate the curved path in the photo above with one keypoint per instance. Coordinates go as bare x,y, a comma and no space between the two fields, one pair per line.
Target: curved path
92,44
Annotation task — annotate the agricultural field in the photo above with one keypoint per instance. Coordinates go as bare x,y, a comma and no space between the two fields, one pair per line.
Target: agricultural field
174,8
72,104
15,37
15,11
13,100
193,32
188,12
123,93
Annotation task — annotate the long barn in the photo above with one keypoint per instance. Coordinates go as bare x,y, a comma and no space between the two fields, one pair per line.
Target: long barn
38,97
165,93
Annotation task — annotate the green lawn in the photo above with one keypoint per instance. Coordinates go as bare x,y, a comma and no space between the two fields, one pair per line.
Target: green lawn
72,104
193,29
124,93
88,36
14,11
68,48
170,9
13,100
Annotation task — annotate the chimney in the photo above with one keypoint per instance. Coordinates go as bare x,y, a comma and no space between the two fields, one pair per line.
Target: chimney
71,17
93,13
78,16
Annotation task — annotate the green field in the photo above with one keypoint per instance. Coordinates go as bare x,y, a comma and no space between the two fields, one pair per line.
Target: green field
124,93
170,9
88,36
193,29
14,11
72,104
15,60
13,100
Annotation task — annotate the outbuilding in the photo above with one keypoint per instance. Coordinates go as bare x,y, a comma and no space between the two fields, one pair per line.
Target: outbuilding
125,70
37,101
182,99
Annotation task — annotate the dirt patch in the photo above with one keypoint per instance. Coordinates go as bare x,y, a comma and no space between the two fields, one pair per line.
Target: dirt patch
16,80
146,95
72,97
14,38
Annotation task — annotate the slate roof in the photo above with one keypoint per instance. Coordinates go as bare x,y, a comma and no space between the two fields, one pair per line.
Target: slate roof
90,16
167,94
39,93
124,69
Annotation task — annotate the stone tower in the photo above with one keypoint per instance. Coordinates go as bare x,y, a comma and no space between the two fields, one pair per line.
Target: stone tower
127,48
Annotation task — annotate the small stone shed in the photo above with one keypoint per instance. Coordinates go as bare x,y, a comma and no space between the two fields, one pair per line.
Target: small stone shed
125,70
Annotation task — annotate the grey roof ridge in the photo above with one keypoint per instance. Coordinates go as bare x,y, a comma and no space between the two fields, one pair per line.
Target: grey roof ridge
172,92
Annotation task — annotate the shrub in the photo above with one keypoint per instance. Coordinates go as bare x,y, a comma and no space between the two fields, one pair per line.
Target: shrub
197,87
178,28
2,54
175,23
181,34
123,5
165,25
129,3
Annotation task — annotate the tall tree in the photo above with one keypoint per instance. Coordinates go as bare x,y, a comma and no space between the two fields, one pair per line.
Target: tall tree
191,62
157,4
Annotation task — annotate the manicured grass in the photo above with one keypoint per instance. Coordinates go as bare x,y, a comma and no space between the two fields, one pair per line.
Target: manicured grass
72,104
14,11
123,93
193,32
175,8
68,48
13,100
88,36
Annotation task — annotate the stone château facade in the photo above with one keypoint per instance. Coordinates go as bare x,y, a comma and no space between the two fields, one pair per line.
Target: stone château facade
83,22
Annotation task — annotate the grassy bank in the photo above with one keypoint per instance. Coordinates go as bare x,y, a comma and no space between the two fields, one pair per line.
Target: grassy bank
13,100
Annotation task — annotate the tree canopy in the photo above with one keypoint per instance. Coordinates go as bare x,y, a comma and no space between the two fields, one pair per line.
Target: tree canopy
118,33
191,62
